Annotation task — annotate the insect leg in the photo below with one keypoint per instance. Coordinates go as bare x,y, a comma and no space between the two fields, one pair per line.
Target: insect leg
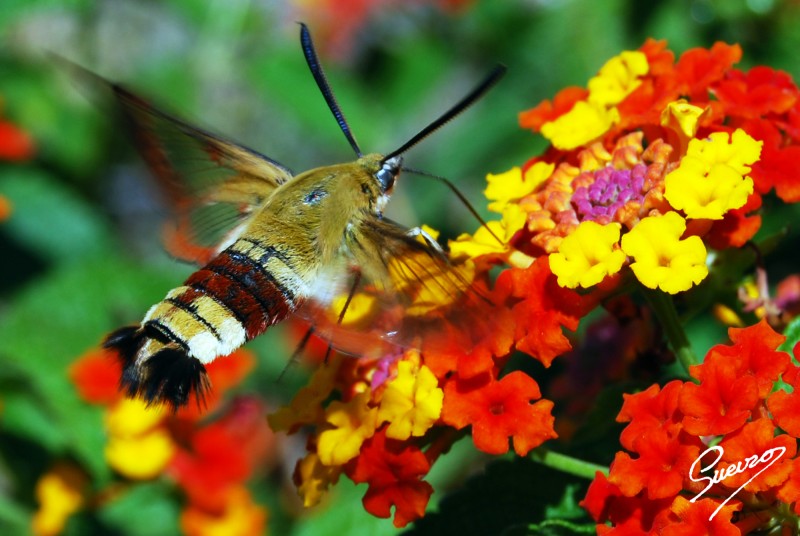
297,351
350,295
429,240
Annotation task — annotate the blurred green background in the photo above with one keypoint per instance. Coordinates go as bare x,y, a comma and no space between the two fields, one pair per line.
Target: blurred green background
80,252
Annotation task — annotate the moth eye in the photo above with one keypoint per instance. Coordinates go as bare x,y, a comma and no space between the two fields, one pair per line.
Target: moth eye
365,189
388,172
314,196
385,178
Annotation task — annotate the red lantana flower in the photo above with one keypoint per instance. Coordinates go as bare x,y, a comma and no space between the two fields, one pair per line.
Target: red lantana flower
753,466
544,308
394,473
96,376
696,518
652,409
660,468
499,410
222,455
722,402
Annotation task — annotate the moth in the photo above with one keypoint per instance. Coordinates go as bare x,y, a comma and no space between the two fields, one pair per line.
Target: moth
271,244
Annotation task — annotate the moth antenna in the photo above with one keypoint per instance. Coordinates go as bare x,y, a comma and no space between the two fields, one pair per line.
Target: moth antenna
491,79
324,87
460,196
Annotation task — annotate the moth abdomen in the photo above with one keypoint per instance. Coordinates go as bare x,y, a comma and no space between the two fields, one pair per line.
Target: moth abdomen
232,299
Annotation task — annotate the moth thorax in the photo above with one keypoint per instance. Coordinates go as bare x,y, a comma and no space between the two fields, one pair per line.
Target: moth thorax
388,172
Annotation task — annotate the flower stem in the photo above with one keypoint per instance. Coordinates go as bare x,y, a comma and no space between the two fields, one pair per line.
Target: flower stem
664,309
567,464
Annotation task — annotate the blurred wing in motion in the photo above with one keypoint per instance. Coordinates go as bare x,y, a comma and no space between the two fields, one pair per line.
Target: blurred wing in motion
402,288
212,184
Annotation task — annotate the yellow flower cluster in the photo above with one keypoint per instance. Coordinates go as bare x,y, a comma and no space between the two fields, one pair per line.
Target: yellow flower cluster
504,191
410,402
590,119
138,447
711,179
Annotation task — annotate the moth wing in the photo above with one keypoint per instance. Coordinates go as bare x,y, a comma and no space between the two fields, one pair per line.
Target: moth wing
400,291
212,184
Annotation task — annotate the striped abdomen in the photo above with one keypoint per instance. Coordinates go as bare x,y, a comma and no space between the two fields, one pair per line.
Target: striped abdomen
245,289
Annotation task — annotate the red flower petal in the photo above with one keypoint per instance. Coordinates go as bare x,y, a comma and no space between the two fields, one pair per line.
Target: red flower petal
15,144
629,515
755,439
754,352
224,373
760,91
96,375
499,410
544,308
650,410
724,399
394,473
547,111
221,455
699,68
790,490
695,518
660,469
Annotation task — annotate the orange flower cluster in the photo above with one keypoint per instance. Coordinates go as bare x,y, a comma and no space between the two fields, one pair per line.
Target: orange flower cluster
702,453
209,461
386,421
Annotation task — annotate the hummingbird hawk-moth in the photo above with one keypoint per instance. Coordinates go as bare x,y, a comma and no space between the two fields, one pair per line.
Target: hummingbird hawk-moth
272,244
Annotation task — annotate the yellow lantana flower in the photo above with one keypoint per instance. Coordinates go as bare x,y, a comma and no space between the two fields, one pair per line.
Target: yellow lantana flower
483,243
313,478
587,255
618,78
683,118
504,188
710,179
590,119
140,457
412,401
353,423
132,416
661,258
138,446
59,493
583,123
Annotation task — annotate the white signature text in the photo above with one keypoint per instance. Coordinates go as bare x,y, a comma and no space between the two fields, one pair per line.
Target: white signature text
769,457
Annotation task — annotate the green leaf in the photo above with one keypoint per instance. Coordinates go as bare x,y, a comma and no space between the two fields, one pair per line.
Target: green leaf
14,519
148,509
510,494
49,218
792,333
344,514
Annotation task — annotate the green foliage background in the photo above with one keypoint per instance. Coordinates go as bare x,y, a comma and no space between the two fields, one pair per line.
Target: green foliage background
80,253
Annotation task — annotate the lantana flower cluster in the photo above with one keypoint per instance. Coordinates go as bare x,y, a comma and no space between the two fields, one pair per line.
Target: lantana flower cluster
653,164
700,452
209,462
386,421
